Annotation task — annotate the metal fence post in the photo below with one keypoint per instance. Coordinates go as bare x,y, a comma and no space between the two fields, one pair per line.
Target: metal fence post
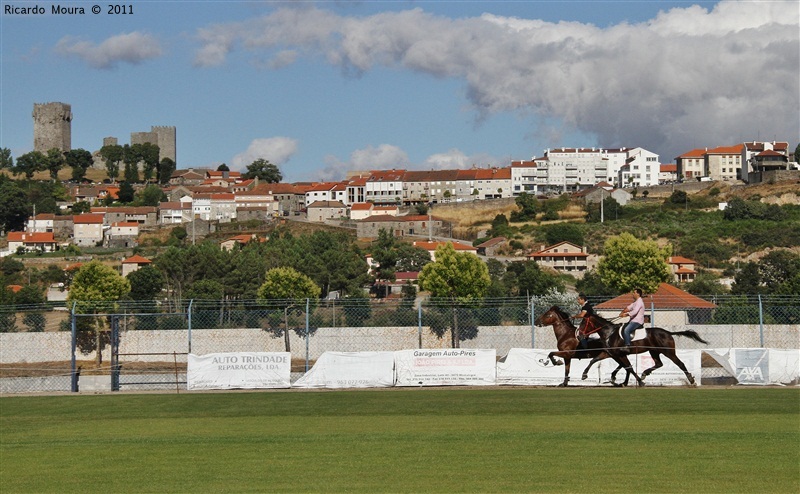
307,331
419,325
74,345
189,318
652,314
761,320
533,325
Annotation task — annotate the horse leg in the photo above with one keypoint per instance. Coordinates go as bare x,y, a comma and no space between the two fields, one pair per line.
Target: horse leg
585,374
626,364
567,362
553,360
658,364
674,357
614,374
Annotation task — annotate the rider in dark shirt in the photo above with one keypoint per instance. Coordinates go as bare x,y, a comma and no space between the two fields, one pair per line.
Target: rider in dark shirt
586,311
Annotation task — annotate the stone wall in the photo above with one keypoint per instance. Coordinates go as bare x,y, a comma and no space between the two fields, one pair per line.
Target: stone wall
52,127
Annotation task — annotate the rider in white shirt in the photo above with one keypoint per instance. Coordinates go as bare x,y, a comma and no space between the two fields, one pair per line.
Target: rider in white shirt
636,312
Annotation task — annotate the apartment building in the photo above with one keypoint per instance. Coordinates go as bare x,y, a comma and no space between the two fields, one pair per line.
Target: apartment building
724,163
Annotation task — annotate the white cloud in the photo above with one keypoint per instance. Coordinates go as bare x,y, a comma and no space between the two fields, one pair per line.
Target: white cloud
688,77
276,150
132,48
382,157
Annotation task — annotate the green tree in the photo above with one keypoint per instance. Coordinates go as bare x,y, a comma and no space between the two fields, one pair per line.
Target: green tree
528,207
131,156
797,154
563,232
149,154
126,193
79,160
287,288
6,160
630,263
94,289
14,206
223,168
55,162
592,285
678,197
152,195
779,271
206,290
112,156
411,257
264,170
146,283
705,284
166,167
525,278
30,163
747,281
81,207
459,277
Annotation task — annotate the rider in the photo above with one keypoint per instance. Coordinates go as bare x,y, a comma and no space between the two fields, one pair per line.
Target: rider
636,312
586,311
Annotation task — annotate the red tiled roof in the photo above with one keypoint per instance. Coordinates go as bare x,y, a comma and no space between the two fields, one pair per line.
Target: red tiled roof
31,238
669,168
666,297
88,219
136,259
681,260
491,242
694,153
361,206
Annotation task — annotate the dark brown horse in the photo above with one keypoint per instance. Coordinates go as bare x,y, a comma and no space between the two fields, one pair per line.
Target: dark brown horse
569,346
658,342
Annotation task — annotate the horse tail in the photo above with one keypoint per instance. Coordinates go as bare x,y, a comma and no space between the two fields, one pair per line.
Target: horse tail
689,334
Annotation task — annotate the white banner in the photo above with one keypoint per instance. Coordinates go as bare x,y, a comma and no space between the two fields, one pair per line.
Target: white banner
247,370
350,370
760,366
456,367
531,367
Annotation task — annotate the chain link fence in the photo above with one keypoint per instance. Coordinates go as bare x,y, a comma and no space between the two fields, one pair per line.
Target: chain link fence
144,345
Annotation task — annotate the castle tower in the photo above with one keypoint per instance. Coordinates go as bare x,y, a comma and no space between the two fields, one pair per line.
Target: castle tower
161,136
52,126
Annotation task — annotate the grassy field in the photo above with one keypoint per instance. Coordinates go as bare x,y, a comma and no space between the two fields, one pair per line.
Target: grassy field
405,440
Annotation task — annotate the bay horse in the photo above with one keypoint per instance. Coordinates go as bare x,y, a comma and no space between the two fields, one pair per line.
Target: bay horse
569,346
658,342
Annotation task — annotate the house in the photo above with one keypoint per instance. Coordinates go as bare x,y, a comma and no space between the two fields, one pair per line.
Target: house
291,198
400,226
238,241
31,242
723,163
668,173
122,234
326,210
601,191
683,269
145,216
691,165
171,213
750,158
41,223
489,248
674,306
401,279
432,246
134,263
187,177
565,257
88,230
361,210
384,187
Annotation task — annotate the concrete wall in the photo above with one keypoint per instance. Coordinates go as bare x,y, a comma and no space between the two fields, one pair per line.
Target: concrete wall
55,346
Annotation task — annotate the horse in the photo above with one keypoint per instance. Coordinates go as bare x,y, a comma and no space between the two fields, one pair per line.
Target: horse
658,341
568,346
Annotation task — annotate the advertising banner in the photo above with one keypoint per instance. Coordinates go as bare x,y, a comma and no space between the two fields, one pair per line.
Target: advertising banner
760,366
450,367
530,367
243,370
350,370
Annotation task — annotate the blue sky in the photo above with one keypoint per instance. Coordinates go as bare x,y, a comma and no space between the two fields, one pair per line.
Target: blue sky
320,88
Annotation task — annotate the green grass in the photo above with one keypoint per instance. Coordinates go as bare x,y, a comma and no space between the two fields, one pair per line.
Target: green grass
406,440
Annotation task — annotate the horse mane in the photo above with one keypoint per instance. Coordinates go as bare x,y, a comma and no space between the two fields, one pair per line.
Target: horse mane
561,312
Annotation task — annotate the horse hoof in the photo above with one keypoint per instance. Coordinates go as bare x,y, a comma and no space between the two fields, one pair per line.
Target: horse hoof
562,385
584,377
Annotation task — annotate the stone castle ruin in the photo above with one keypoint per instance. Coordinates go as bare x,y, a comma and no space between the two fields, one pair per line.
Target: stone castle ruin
52,127
161,136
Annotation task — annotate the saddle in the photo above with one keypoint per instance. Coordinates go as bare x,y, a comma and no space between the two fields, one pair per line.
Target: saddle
639,334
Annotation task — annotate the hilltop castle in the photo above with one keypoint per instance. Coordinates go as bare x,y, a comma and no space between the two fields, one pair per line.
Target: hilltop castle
52,127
